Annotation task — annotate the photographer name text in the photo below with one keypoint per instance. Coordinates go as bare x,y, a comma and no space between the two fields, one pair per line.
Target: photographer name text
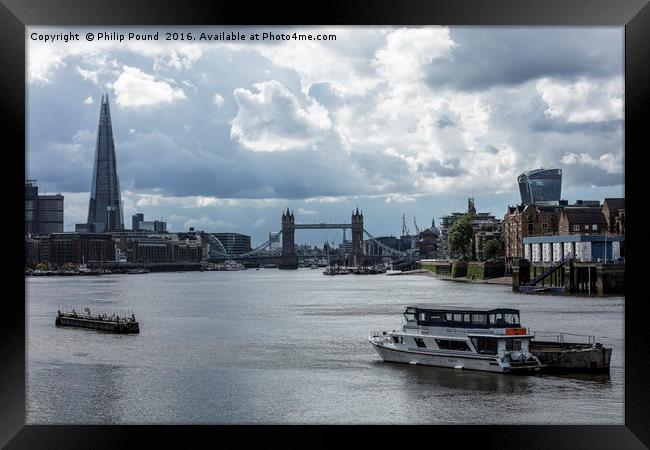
114,36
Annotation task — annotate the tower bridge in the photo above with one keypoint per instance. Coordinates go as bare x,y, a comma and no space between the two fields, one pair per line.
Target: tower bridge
287,259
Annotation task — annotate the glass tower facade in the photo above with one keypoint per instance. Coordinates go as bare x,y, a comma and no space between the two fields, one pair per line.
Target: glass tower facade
540,186
105,206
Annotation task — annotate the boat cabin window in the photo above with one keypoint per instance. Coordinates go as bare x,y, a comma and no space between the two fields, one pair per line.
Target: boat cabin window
501,319
513,344
398,339
435,317
485,345
446,344
409,315
479,319
420,342
511,319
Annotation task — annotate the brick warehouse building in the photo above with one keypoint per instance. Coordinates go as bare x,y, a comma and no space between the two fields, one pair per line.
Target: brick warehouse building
77,248
526,221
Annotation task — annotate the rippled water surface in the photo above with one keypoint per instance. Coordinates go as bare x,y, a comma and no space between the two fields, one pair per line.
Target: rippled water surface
271,346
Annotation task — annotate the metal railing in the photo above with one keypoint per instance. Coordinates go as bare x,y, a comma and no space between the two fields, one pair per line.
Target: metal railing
560,338
556,265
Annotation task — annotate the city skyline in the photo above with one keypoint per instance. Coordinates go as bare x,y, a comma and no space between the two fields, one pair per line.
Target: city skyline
225,136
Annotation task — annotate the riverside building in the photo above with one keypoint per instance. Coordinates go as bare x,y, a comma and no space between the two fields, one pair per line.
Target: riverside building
43,213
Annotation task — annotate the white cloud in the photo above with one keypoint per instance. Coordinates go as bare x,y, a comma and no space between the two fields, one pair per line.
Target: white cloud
400,198
326,200
135,89
409,50
89,100
259,222
342,63
195,201
307,212
610,163
273,119
75,209
206,224
218,100
91,75
585,100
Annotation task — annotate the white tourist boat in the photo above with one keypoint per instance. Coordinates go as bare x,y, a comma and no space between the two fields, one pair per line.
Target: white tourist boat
461,338
230,265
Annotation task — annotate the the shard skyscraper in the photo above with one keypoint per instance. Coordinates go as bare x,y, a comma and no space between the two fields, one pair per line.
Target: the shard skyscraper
105,207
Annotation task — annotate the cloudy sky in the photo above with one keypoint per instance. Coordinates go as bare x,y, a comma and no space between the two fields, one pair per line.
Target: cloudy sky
224,135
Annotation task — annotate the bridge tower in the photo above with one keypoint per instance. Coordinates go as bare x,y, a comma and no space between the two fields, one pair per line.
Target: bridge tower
357,238
289,259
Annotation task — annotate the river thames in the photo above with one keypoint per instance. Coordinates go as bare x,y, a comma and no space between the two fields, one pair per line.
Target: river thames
291,347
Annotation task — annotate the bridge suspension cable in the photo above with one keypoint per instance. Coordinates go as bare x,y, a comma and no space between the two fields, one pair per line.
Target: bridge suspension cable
390,250
261,247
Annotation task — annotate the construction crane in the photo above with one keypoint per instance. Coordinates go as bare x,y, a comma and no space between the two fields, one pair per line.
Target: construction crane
405,229
417,229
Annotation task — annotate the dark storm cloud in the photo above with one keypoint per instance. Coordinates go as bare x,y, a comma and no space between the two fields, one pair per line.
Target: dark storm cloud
450,168
581,175
487,57
380,168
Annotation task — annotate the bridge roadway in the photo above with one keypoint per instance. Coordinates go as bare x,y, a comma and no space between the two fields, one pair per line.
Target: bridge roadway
320,226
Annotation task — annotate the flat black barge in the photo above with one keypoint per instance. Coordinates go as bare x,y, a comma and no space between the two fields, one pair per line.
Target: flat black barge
113,323
561,356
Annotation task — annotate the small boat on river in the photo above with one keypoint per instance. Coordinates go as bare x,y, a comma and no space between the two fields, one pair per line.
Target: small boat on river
490,340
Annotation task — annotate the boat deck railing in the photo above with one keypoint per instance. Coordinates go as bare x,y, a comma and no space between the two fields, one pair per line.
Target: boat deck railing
99,315
561,338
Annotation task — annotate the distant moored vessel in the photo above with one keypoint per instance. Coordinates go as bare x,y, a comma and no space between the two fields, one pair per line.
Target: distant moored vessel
98,321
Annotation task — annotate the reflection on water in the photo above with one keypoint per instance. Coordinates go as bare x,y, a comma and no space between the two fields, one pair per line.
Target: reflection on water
273,346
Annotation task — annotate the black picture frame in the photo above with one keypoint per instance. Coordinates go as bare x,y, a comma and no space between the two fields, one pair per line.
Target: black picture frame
634,15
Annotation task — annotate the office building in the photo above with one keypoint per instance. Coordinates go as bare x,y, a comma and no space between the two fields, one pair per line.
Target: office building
540,186
31,205
234,243
50,214
43,213
105,205
139,224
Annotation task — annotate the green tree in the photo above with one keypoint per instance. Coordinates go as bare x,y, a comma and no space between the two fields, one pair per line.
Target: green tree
41,266
491,248
460,236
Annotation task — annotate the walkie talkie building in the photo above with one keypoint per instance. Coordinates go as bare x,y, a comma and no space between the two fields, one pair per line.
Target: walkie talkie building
105,206
540,186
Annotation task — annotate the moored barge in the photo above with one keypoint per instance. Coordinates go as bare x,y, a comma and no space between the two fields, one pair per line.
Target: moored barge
558,353
113,323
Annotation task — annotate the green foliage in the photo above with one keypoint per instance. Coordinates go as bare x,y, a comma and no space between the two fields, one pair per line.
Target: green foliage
459,269
476,271
491,248
460,236
41,266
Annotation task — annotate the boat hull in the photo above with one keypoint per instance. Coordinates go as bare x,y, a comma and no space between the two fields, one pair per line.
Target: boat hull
128,327
452,361
572,357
